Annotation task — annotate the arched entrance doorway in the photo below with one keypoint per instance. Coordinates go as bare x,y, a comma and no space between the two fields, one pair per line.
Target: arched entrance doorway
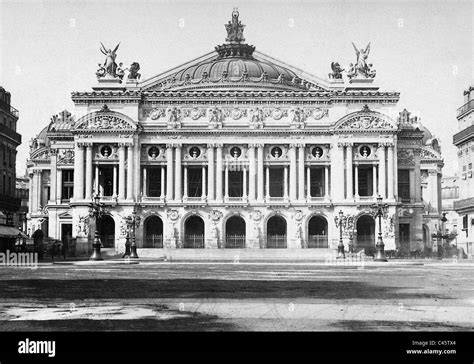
276,232
365,237
153,234
235,232
194,233
107,231
317,232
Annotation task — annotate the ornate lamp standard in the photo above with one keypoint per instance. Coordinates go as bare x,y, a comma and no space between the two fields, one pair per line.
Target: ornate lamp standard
133,221
341,223
96,210
379,209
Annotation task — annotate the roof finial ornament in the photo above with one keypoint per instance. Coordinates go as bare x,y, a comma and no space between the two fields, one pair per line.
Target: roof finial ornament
235,29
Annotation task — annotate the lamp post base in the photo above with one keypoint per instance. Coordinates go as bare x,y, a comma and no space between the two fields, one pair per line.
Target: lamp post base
380,252
96,255
133,249
340,251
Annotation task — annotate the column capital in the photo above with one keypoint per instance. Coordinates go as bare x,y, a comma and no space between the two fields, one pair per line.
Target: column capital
84,144
37,171
211,145
125,144
53,152
219,145
173,145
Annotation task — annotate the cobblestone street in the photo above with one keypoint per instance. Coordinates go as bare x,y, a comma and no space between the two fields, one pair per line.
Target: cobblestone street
158,296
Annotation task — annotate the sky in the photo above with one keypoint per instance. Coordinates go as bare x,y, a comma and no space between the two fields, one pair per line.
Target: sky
422,49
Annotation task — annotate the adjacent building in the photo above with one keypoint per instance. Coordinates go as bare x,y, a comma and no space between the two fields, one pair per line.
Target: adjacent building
464,141
9,141
235,150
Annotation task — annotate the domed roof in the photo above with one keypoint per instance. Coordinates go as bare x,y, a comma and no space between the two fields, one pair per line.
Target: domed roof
234,65
42,137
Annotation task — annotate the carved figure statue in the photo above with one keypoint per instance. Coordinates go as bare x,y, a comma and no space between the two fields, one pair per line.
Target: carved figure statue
361,67
120,71
100,71
133,71
235,28
336,71
109,63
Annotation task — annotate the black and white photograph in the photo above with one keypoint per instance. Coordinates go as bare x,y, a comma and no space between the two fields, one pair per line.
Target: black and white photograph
271,175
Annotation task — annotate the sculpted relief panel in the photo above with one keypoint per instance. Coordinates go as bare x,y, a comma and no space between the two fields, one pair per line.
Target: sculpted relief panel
255,116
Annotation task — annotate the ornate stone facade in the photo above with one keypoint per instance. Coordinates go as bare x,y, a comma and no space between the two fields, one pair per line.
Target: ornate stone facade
253,156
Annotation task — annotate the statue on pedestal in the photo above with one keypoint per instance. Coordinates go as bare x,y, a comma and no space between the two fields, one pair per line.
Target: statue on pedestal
109,66
336,71
361,68
133,71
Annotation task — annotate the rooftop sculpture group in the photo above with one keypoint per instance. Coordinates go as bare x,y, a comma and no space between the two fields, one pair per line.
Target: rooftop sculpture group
110,69
361,69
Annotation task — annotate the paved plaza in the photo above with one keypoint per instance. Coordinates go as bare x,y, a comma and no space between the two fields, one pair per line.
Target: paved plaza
281,296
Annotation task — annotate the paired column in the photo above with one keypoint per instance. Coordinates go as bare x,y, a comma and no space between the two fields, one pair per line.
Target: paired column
308,183
130,166
59,177
391,170
96,182
356,181
211,174
162,183
115,192
226,183
267,182
53,177
244,193
219,171
326,182
121,154
337,172
374,180
89,172
169,172
79,172
417,175
349,188
382,173
285,182
177,182
203,183
301,163
293,171
145,182
260,179
252,172
185,195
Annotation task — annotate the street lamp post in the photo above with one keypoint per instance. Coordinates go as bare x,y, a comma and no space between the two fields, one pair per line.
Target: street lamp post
379,209
96,210
341,222
133,221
